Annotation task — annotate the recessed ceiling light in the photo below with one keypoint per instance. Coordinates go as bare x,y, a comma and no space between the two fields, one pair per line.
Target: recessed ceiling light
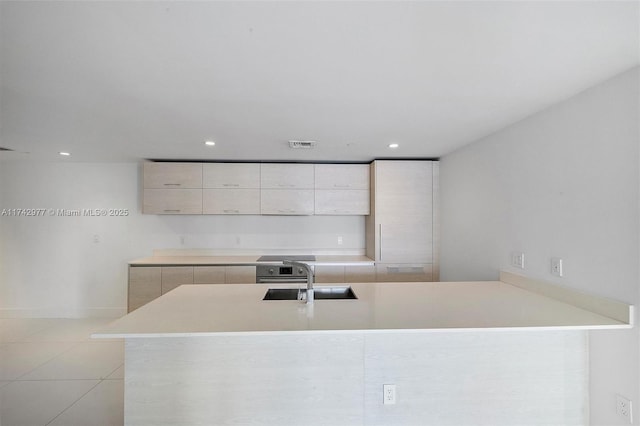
210,143
66,154
393,145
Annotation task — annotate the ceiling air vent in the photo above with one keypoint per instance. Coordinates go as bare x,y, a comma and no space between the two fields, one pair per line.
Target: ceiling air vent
302,144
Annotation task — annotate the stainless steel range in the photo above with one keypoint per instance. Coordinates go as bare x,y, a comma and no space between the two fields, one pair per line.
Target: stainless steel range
287,274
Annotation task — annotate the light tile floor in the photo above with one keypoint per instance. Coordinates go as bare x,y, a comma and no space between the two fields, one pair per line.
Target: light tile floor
53,373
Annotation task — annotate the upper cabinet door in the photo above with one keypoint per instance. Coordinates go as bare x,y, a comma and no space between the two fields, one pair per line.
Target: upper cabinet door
231,175
172,175
286,201
342,176
172,201
286,176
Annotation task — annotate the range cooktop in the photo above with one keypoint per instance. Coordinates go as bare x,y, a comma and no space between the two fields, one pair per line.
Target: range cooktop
281,257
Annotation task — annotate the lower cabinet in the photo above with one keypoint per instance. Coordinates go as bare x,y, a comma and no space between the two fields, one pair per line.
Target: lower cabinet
387,272
145,284
209,275
381,272
360,274
345,274
175,276
329,274
150,282
240,275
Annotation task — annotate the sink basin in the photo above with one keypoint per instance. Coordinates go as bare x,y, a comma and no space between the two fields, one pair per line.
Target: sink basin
320,293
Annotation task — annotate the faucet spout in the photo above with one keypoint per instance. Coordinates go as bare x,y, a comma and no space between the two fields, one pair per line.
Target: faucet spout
309,271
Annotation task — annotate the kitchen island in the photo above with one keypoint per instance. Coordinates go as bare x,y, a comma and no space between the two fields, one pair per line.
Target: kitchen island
504,351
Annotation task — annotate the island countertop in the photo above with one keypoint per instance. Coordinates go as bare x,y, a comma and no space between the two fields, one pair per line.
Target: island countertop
238,309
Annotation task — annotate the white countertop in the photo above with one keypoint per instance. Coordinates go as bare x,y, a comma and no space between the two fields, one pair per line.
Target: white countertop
325,260
234,309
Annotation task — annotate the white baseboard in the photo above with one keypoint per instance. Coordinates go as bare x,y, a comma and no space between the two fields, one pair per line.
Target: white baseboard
62,312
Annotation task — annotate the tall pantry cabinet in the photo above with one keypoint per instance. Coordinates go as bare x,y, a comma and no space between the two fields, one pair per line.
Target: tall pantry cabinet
401,231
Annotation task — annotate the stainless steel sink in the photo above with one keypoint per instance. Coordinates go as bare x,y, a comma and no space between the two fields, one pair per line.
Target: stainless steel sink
319,293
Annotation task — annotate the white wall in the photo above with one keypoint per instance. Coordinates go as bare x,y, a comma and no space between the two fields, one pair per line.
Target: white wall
562,183
50,265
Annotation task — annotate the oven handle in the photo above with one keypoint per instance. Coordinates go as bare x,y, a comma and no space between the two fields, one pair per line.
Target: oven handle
273,280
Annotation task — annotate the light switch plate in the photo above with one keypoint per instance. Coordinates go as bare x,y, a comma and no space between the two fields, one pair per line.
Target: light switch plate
517,259
556,266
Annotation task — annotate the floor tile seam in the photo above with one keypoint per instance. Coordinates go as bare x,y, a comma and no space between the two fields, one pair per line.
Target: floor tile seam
73,403
116,369
49,360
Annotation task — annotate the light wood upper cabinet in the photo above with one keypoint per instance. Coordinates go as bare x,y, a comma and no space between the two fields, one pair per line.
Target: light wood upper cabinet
172,175
286,202
255,188
342,189
231,175
342,176
172,201
287,176
341,202
172,188
287,189
231,201
231,188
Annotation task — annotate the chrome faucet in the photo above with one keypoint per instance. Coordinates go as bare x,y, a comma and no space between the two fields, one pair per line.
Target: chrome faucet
309,277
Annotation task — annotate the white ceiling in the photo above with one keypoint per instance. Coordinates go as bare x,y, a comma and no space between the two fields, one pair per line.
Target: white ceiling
121,81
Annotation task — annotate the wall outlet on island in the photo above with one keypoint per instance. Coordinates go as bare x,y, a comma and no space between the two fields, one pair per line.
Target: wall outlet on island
517,259
623,408
388,394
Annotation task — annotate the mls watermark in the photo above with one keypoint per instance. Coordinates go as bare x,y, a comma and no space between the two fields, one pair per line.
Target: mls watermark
64,212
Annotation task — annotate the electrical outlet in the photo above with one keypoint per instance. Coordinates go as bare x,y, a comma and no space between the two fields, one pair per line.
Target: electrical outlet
340,240
556,266
624,408
96,238
517,259
388,394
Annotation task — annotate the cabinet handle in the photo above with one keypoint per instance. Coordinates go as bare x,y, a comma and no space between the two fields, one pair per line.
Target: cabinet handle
172,184
405,269
172,210
231,184
344,185
380,232
231,211
287,185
